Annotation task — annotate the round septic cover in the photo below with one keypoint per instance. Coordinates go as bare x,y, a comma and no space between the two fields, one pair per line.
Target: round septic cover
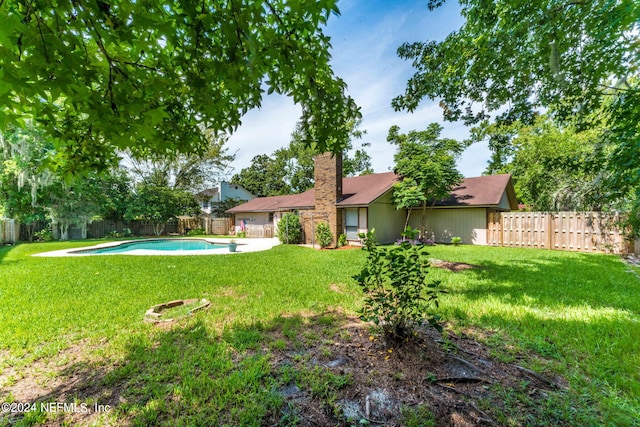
174,310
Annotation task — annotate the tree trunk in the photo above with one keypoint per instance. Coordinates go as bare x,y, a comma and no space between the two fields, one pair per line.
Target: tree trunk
64,231
157,228
423,219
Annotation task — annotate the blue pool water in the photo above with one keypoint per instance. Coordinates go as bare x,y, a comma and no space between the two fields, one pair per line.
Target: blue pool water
156,245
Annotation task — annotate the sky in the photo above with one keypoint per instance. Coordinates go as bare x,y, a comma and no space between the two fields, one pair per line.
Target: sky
365,38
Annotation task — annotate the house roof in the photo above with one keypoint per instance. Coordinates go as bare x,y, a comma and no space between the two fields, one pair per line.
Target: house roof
481,191
277,203
366,189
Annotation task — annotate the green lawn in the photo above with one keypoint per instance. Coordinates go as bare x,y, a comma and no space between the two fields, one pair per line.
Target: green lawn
576,315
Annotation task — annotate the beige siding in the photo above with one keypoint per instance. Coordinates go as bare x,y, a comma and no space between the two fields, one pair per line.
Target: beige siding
470,224
252,218
387,221
504,202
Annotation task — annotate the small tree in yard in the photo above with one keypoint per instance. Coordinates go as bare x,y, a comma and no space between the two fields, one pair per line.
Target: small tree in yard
323,234
427,165
289,229
397,295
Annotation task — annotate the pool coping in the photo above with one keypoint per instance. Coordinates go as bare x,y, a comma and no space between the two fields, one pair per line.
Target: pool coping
244,245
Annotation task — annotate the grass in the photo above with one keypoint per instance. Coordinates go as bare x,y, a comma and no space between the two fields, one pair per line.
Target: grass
570,314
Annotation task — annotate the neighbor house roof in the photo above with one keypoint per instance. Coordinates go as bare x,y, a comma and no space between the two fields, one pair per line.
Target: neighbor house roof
481,191
366,189
277,203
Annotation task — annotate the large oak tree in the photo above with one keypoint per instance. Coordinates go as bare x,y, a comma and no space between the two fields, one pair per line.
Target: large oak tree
151,76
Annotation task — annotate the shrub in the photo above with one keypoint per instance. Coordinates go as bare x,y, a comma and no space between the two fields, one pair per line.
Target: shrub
323,234
196,232
241,234
397,295
44,235
289,229
410,233
126,232
113,234
456,240
342,240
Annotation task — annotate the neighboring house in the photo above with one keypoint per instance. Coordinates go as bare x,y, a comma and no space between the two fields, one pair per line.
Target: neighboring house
357,204
211,197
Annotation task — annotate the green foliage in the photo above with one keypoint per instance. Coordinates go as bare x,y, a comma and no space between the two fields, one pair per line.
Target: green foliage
153,76
519,56
517,59
324,237
218,209
410,233
427,165
192,172
265,177
455,241
290,229
241,234
157,203
44,235
397,296
342,240
558,168
291,169
368,239
196,232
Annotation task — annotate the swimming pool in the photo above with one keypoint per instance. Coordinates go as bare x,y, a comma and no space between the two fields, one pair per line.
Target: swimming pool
168,245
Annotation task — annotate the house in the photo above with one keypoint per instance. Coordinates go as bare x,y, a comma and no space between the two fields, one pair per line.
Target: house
209,199
465,213
357,204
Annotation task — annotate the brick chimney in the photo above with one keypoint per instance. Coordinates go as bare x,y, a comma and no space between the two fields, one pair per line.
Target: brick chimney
328,191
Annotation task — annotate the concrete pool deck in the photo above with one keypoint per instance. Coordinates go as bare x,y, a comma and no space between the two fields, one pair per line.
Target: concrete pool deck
244,245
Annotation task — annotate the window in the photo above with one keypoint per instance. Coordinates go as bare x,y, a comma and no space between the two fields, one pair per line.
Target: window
351,224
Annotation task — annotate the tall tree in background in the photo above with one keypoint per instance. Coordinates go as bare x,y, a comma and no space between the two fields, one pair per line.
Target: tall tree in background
265,176
427,165
188,172
156,202
514,59
23,175
300,163
290,170
560,169
105,77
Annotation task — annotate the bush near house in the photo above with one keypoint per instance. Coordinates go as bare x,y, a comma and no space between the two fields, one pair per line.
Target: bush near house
289,229
324,237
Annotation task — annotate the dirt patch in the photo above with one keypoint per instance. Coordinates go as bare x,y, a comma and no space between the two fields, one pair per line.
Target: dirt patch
452,266
453,379
343,375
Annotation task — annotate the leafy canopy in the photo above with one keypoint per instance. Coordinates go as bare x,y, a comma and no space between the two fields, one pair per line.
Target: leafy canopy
427,165
517,56
150,76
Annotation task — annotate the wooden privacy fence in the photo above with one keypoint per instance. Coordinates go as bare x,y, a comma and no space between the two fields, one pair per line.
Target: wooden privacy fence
259,231
567,231
218,225
9,231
